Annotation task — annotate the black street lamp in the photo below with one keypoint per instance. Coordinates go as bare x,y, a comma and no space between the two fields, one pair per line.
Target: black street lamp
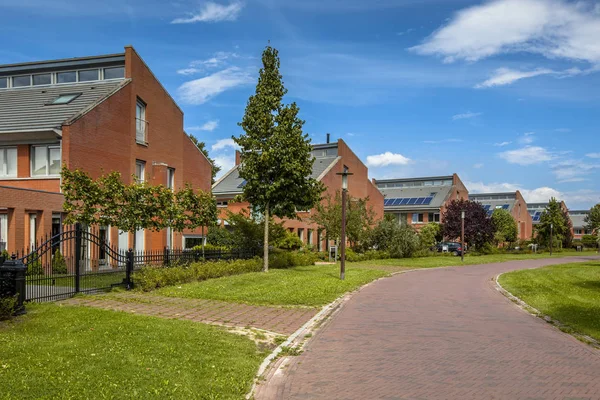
343,244
551,231
462,236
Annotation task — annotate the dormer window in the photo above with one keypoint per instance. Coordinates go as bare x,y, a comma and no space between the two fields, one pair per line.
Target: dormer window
42,79
20,81
114,73
66,77
88,75
3,83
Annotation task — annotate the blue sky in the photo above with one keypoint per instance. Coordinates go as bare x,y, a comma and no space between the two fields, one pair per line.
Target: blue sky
505,92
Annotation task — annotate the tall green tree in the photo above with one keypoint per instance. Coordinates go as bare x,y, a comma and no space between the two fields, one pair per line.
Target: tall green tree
275,153
505,226
202,147
556,219
592,221
430,234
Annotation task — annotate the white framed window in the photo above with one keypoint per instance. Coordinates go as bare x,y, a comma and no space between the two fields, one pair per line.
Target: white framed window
140,244
140,122
222,204
32,230
3,83
45,160
140,170
417,218
171,178
88,75
8,161
301,234
434,217
20,81
3,232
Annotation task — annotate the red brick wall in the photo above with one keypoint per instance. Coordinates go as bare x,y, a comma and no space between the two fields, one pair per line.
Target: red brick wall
522,217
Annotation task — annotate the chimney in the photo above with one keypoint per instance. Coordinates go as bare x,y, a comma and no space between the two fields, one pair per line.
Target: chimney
238,157
328,137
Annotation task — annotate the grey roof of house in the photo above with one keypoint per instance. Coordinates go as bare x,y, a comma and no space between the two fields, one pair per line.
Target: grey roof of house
494,203
230,183
487,198
419,179
441,193
63,64
27,109
578,218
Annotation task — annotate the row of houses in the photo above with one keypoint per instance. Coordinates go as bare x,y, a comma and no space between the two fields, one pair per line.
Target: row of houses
110,113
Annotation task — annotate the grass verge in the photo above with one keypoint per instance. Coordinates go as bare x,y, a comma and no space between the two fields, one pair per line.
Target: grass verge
402,264
569,293
314,285
78,352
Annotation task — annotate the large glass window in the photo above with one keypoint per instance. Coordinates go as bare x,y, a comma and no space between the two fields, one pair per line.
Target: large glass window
88,75
8,161
45,160
66,77
3,83
42,79
140,169
114,73
434,217
19,81
140,121
417,218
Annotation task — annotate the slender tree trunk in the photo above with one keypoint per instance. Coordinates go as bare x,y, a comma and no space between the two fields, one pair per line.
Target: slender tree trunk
266,243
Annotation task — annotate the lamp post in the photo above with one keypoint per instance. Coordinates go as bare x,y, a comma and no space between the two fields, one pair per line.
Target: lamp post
551,231
462,236
343,244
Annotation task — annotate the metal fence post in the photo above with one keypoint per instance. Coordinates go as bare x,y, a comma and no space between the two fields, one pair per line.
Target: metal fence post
12,282
78,243
166,256
129,270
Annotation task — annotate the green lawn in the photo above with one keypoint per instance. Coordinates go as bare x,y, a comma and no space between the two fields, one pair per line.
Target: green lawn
401,264
569,293
314,285
72,352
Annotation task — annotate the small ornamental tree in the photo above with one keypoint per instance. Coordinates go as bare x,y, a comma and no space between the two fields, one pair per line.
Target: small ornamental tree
592,221
554,219
478,227
430,234
275,153
505,226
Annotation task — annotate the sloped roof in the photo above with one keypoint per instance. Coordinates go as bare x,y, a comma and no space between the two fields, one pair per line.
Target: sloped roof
27,109
439,194
578,218
488,199
231,182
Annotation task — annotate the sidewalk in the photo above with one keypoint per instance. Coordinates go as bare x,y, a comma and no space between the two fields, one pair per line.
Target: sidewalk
281,320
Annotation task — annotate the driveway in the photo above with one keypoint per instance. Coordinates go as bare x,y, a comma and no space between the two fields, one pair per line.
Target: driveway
440,334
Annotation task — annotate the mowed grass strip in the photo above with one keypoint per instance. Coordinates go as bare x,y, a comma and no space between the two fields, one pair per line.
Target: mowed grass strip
65,352
569,293
314,285
402,264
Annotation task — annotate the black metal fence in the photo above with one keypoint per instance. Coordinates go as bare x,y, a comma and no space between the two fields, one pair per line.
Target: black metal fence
77,261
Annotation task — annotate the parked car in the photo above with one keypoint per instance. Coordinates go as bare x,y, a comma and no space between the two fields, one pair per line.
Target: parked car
450,247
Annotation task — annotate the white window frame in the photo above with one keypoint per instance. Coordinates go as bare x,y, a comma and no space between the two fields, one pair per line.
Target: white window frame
4,231
142,175
141,124
32,230
417,215
48,147
4,167
171,178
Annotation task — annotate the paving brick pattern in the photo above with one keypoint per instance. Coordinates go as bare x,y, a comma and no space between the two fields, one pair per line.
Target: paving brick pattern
282,320
440,334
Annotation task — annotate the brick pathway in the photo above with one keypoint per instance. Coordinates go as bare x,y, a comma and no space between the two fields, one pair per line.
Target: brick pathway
439,334
280,320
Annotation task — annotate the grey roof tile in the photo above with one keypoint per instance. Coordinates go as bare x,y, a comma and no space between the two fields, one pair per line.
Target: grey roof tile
578,218
440,194
231,181
23,109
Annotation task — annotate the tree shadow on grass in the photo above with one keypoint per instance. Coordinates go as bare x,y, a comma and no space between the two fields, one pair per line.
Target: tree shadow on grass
582,319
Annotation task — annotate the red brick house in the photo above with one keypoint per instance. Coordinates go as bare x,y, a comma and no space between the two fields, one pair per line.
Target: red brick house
101,114
330,159
514,203
418,201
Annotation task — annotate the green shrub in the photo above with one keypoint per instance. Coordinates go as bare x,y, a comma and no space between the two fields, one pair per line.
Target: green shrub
289,241
288,259
8,306
4,255
153,277
210,247
59,265
34,268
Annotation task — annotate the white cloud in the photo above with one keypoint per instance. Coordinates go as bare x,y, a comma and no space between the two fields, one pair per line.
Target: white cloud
527,138
188,71
213,12
573,170
478,166
207,126
593,155
527,155
552,28
466,115
387,158
502,144
219,59
223,144
506,76
199,91
226,162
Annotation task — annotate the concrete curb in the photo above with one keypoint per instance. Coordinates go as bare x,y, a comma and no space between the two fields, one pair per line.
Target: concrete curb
537,313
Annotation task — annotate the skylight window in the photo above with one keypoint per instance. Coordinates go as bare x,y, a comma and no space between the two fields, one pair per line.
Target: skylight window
65,98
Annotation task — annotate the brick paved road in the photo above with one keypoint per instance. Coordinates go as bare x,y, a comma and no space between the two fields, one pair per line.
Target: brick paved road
440,334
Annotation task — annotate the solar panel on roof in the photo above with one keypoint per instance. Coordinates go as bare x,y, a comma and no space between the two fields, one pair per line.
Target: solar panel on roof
387,202
505,206
490,212
412,201
428,200
486,207
404,201
241,185
421,200
397,201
